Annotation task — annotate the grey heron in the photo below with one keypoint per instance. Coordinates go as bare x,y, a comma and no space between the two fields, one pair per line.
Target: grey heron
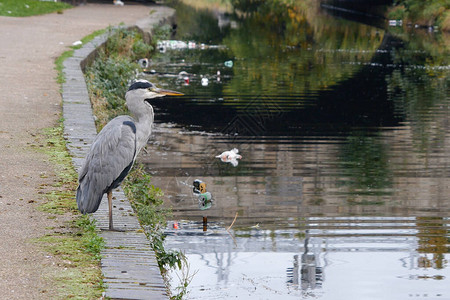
115,148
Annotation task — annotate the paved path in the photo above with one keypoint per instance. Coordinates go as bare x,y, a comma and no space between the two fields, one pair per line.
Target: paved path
30,101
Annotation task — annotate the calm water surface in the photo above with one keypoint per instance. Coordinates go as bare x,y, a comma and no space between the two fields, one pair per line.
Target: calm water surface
343,189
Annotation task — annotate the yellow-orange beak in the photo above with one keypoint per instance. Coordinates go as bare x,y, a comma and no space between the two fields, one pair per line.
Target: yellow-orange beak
167,92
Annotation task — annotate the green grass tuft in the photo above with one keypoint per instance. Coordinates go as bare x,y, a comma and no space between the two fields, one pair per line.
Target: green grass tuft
78,254
26,8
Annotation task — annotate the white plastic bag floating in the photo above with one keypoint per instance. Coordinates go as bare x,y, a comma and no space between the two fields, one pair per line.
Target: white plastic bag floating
230,157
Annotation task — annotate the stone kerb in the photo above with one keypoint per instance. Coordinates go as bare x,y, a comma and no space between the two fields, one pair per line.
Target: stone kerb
128,262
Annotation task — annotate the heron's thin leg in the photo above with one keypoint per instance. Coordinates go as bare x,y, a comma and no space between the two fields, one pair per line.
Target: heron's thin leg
109,193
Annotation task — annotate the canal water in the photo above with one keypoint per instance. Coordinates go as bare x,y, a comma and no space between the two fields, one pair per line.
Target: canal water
343,188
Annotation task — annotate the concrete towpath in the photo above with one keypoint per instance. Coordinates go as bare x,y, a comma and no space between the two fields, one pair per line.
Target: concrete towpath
30,101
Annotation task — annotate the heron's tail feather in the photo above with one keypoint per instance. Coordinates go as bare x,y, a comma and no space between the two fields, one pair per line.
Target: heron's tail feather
87,201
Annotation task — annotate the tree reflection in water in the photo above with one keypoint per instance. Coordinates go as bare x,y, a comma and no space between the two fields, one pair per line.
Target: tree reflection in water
344,130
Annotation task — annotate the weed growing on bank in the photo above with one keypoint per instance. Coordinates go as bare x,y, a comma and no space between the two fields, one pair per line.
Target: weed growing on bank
109,76
147,200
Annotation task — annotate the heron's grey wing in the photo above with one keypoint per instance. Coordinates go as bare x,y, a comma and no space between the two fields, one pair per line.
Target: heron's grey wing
110,158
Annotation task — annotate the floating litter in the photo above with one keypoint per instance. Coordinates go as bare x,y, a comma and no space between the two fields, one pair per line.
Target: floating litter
230,157
199,187
205,201
228,63
143,63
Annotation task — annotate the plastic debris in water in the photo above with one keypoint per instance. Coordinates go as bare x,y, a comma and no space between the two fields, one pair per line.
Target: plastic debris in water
143,63
183,76
205,200
230,157
204,197
199,187
205,81
172,44
228,63
218,76
395,22
164,45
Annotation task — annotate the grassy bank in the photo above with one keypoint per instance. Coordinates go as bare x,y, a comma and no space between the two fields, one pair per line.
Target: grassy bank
25,8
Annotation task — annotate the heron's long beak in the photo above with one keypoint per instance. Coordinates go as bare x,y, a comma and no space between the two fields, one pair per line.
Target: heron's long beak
167,92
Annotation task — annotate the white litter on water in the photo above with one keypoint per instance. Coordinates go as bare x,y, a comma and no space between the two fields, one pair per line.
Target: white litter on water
230,157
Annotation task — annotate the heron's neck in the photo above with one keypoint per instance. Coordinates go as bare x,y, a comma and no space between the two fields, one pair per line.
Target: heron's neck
143,129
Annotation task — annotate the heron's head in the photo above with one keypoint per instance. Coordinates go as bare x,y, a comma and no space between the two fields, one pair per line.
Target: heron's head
141,92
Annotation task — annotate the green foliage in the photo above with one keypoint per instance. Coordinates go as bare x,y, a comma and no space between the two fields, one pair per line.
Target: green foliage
108,79
166,259
141,49
91,241
146,200
109,75
397,13
162,32
145,196
127,43
249,6
25,8
425,13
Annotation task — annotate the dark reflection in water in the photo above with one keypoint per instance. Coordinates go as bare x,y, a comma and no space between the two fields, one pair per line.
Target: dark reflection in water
344,182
